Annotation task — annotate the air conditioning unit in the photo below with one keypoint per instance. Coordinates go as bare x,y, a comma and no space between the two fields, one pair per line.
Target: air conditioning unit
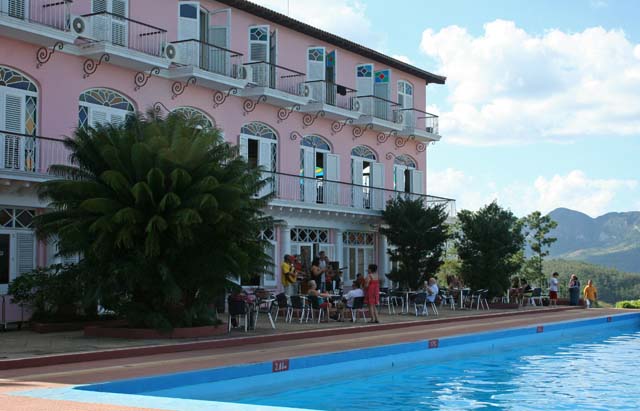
241,72
171,53
80,26
430,130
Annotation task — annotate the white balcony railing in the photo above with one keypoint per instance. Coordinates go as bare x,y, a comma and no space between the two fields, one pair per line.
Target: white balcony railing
125,32
318,191
379,108
420,120
52,13
30,154
332,94
273,76
210,58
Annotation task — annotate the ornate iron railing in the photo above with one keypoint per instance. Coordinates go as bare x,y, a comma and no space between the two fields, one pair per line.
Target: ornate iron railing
418,119
333,94
31,154
52,13
338,194
263,74
122,31
380,108
210,58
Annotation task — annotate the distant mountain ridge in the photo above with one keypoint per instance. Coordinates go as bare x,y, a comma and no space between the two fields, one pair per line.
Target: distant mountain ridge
612,240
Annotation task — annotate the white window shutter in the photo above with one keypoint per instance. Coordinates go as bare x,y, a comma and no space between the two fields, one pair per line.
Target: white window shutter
266,163
26,252
309,169
356,178
377,180
189,29
119,27
364,87
99,6
398,175
332,193
316,71
15,8
417,182
117,119
97,116
259,52
219,59
244,147
13,122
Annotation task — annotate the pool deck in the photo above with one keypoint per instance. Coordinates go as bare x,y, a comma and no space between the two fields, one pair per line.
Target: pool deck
246,350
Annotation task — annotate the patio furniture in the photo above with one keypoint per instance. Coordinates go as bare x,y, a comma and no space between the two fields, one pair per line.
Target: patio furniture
314,304
536,295
420,304
237,310
358,307
299,304
282,303
446,298
265,306
479,298
386,299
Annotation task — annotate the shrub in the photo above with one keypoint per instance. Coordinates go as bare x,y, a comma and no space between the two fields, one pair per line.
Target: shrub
628,304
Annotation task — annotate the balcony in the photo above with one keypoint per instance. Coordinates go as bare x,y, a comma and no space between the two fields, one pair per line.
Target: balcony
335,196
129,43
380,113
338,102
40,22
420,124
214,67
26,159
275,85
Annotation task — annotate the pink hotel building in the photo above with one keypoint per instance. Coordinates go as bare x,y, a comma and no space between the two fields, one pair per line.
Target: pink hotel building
339,127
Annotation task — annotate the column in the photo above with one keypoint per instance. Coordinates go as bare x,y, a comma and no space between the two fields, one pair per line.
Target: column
382,258
285,248
338,252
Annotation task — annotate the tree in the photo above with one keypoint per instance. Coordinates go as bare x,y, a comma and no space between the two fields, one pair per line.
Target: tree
488,243
537,227
162,212
418,233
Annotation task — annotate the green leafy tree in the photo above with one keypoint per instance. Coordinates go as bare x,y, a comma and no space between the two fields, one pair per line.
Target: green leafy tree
537,228
419,233
488,243
162,211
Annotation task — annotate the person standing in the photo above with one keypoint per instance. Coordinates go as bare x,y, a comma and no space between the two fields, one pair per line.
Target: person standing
553,290
372,295
590,294
574,290
288,276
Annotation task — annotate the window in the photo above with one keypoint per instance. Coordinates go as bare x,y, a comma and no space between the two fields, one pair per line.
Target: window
405,176
310,235
367,177
103,106
405,100
198,117
317,164
18,114
259,146
16,217
359,250
189,11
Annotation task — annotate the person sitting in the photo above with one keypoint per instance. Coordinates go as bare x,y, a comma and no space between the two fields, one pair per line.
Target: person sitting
323,302
347,300
432,290
514,291
525,291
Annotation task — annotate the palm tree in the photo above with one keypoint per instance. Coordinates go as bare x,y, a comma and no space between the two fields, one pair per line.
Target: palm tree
162,211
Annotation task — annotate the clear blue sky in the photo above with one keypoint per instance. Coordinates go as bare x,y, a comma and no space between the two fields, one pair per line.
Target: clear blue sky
542,103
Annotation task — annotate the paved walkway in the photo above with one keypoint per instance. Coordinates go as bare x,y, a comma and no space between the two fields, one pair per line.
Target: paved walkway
95,371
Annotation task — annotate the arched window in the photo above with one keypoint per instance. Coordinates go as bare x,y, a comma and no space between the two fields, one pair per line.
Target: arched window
363,152
198,117
406,177
103,106
19,114
259,146
316,165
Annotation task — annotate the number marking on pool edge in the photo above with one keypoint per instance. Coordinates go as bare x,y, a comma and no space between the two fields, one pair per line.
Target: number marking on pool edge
433,343
609,319
540,329
280,365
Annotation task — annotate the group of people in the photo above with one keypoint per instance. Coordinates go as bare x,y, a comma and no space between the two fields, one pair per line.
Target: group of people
521,291
297,272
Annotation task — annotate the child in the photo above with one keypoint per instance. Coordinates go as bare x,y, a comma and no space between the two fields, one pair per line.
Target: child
553,290
590,294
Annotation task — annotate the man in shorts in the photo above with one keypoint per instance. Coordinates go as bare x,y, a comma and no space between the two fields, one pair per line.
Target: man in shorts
553,290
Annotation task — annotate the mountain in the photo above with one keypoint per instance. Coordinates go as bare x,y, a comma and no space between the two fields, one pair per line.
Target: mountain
611,240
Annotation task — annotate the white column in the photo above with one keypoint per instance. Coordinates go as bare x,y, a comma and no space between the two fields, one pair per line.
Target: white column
338,247
285,248
382,258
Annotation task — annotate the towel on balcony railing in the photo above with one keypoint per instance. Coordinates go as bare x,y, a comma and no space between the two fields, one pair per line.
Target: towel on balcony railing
342,90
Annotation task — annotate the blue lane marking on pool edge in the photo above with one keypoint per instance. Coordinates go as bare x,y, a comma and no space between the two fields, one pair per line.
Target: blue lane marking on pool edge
122,391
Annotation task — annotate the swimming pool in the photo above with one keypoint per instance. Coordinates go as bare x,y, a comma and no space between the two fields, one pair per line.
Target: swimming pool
574,365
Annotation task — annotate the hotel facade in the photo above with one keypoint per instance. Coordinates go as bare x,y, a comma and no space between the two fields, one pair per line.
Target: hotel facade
338,128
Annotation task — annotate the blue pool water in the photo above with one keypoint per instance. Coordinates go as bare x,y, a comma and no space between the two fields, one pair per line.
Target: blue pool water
580,365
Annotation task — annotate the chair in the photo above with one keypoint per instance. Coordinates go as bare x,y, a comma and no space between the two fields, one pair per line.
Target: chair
420,303
388,300
238,308
358,307
314,303
282,303
265,307
536,294
299,304
446,298
479,298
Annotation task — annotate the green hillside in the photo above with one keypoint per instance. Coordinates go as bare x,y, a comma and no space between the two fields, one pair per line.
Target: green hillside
613,285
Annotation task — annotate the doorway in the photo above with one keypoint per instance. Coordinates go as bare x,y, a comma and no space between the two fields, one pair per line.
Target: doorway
5,258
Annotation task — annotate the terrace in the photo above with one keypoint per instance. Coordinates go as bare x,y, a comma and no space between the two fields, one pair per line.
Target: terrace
40,22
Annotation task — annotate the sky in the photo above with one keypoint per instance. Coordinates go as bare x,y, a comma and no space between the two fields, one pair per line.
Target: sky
541,108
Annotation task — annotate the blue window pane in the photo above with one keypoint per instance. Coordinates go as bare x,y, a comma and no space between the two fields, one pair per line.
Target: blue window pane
189,11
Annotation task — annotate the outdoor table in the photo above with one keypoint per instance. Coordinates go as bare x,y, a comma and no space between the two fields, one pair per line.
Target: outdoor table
463,292
405,301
